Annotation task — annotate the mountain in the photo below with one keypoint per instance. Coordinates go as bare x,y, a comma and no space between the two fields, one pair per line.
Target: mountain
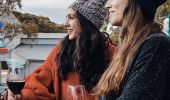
41,23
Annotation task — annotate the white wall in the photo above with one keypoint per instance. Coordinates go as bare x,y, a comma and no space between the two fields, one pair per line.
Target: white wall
166,25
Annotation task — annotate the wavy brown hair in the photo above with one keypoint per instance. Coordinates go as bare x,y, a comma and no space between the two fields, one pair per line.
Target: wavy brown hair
135,28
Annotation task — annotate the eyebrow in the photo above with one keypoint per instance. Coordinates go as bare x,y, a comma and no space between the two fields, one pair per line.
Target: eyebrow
71,15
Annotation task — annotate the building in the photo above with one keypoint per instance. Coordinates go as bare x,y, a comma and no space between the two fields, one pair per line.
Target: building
31,52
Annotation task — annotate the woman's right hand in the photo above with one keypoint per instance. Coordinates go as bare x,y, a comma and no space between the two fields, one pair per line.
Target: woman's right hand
11,96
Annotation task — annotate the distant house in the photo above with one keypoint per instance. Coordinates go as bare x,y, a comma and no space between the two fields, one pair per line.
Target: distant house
33,52
30,52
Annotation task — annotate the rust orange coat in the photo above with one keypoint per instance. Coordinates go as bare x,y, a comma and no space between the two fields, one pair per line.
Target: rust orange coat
44,83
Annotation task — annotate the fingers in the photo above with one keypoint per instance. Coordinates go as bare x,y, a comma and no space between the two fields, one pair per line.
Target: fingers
18,97
11,98
10,95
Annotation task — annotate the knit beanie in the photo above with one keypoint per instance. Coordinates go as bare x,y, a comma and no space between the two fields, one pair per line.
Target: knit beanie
93,10
149,7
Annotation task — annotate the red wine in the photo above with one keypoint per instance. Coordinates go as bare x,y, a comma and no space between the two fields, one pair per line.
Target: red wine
16,86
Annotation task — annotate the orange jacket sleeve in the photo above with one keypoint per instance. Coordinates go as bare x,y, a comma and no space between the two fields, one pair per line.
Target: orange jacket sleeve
38,83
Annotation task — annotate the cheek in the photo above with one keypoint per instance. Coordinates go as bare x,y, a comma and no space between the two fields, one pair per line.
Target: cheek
77,28
77,32
116,19
73,35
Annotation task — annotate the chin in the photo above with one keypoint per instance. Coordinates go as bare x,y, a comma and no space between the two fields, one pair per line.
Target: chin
115,23
71,37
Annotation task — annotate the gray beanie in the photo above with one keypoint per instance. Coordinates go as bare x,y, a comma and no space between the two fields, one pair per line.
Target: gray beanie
93,10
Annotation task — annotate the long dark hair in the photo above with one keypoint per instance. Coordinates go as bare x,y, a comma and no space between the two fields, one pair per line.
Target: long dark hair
87,55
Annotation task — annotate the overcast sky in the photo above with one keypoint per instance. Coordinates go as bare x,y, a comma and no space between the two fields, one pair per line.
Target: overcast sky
54,9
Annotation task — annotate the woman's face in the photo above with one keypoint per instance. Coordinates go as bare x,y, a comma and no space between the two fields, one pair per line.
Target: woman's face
72,24
116,9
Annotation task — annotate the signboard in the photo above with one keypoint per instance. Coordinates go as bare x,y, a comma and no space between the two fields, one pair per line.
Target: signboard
3,51
1,25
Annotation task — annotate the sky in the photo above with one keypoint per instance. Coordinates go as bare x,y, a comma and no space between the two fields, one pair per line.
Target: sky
54,9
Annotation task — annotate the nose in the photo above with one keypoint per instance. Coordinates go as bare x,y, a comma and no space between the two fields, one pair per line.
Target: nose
108,4
66,23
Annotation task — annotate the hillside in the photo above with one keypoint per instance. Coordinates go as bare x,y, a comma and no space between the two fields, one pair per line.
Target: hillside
40,23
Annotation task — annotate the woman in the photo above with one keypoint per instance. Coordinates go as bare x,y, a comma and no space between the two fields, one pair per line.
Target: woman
80,58
140,69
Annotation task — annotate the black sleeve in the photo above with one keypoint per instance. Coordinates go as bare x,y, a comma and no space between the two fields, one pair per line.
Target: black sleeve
147,76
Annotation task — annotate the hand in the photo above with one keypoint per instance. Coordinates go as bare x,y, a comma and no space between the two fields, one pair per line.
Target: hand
11,96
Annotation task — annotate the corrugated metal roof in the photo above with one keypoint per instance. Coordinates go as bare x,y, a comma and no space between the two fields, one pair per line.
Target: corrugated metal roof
44,38
38,49
49,35
33,52
41,41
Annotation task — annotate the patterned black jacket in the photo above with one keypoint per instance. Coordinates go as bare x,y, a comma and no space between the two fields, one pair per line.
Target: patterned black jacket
148,74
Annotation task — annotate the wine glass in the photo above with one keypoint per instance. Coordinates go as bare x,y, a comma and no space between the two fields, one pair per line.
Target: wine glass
76,92
102,97
15,76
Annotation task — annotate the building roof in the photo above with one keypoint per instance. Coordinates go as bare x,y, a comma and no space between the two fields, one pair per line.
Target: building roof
44,38
33,52
49,35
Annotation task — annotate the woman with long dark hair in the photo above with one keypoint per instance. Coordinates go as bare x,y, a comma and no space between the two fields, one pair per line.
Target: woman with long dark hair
80,58
140,69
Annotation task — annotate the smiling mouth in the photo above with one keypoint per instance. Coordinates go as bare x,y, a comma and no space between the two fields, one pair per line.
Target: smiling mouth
69,30
111,12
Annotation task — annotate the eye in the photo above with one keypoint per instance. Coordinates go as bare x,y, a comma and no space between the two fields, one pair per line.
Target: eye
70,17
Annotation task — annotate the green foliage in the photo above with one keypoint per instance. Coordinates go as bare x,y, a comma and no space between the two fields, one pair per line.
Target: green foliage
7,5
163,11
44,25
29,24
30,29
10,31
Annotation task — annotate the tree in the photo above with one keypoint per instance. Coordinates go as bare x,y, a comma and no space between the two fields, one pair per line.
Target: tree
8,5
11,26
163,11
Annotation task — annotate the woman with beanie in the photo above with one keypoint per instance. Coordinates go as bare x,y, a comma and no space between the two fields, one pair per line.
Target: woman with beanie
80,58
140,69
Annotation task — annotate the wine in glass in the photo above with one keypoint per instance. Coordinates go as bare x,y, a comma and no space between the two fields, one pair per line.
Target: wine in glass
16,76
76,92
